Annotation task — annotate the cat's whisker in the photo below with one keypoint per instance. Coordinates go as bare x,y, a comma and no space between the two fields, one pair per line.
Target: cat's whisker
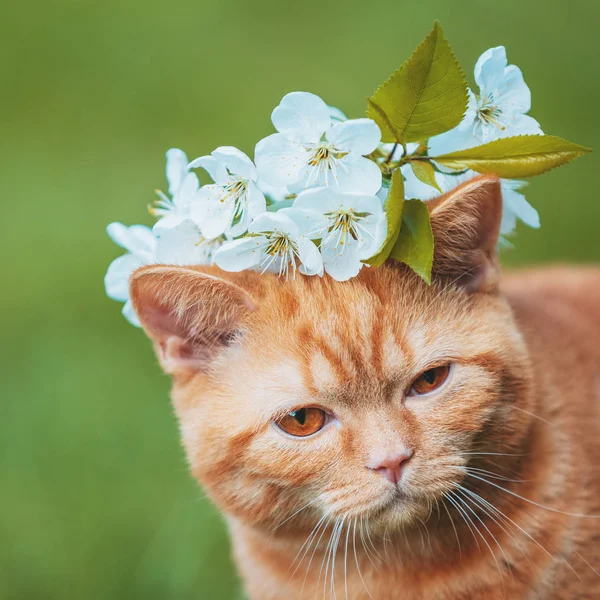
337,544
496,464
437,508
492,474
450,497
362,541
356,560
491,454
429,510
346,560
295,513
307,543
335,549
327,523
588,564
530,414
375,551
555,510
422,539
466,507
331,561
453,527
330,557
368,543
467,499
385,542
423,523
528,535
325,559
494,514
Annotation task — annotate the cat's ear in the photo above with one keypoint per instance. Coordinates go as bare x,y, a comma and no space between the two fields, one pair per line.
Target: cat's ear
466,228
190,316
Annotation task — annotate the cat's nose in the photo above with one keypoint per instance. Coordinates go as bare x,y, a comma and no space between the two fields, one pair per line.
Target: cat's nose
392,467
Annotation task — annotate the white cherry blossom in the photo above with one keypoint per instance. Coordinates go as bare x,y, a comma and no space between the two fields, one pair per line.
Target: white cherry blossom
179,245
140,243
229,205
274,243
183,187
351,227
185,245
315,147
498,111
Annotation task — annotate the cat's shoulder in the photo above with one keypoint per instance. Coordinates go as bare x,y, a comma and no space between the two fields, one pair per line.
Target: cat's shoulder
561,283
564,298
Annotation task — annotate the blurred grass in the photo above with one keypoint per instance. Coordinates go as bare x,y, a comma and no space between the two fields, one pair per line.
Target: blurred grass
95,499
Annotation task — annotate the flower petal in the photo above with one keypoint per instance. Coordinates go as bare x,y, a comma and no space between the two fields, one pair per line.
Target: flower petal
277,221
321,200
310,257
182,245
116,280
216,169
241,254
509,221
356,135
302,117
177,168
336,115
256,201
513,92
359,175
489,69
341,259
516,202
456,139
376,225
169,221
130,314
137,239
235,161
186,192
522,125
310,223
280,161
212,210
254,204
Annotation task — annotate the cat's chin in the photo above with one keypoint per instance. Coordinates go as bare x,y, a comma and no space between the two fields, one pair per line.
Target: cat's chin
401,510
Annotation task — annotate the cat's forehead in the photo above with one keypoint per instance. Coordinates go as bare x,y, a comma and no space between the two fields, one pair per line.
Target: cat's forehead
323,341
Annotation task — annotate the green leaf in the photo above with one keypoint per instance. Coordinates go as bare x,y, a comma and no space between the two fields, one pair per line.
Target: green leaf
414,246
515,157
393,206
426,96
425,173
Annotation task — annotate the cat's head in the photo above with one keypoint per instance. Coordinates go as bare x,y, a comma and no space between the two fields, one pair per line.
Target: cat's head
360,399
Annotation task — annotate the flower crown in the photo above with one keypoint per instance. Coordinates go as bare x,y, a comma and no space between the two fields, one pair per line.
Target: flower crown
328,194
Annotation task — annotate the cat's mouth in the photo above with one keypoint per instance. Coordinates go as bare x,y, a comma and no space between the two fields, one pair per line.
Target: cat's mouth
400,507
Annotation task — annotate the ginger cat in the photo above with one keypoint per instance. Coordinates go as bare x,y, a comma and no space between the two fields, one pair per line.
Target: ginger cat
381,438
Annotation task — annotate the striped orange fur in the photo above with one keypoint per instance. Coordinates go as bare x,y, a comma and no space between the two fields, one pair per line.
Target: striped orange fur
500,496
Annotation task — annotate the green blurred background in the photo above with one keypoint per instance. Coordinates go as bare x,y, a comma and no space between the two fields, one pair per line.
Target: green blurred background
95,499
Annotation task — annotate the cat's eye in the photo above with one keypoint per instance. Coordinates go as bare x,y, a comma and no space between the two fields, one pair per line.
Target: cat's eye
429,380
303,421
